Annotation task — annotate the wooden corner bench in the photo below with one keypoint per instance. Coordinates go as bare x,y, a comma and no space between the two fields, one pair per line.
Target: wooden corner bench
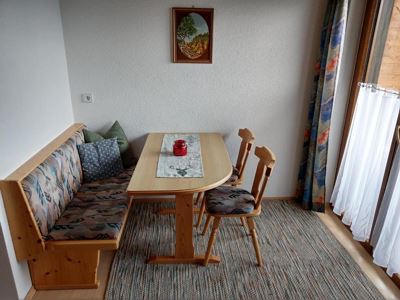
58,223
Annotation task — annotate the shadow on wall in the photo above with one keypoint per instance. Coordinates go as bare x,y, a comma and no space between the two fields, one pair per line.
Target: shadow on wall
136,145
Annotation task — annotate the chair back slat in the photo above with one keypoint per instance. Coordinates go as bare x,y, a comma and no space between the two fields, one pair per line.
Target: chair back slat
264,169
260,171
244,150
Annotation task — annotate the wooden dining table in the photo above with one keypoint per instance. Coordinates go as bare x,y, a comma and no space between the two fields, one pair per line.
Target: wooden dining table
217,169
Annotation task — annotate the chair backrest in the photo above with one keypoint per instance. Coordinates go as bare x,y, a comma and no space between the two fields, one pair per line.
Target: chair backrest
263,172
244,150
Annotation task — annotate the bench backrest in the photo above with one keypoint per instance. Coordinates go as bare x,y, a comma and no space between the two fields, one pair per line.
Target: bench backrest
51,185
36,193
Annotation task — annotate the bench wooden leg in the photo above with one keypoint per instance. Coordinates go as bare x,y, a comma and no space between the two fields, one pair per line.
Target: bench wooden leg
75,268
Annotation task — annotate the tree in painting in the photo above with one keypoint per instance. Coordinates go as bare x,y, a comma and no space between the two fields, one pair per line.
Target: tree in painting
193,36
185,29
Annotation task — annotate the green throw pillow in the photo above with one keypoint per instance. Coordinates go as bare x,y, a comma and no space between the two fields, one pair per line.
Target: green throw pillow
123,144
91,137
117,131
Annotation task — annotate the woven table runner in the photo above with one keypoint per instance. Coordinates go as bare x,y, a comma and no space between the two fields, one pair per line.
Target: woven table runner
186,166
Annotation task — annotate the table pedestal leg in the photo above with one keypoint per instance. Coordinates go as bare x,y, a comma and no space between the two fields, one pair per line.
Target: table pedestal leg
184,249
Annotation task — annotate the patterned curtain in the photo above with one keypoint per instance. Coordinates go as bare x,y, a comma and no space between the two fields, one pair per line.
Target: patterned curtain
311,181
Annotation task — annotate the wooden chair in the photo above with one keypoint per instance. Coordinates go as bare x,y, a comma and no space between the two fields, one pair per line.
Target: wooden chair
232,202
237,171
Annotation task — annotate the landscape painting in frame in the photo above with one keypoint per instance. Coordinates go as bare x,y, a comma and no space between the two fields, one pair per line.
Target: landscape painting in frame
192,30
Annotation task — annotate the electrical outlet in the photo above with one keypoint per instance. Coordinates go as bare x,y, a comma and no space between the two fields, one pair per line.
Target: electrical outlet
87,98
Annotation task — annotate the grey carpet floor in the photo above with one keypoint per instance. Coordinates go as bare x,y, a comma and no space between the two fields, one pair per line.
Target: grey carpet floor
302,260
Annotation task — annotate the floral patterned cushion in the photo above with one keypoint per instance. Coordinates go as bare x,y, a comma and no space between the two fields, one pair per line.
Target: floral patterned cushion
96,212
66,209
229,200
110,188
51,186
90,220
234,176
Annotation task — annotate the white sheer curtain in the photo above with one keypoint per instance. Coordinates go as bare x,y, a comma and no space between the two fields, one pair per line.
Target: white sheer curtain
359,180
387,250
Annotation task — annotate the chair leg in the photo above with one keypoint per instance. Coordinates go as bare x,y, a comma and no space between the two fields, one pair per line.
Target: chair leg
211,240
199,198
201,213
208,221
252,228
243,222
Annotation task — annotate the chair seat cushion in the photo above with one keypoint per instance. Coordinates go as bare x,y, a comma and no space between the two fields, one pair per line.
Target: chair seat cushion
234,176
92,220
229,200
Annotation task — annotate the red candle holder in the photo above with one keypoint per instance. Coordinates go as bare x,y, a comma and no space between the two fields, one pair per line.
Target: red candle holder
180,148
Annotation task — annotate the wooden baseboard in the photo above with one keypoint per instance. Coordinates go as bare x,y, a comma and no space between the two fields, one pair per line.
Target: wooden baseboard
30,294
283,198
79,286
396,280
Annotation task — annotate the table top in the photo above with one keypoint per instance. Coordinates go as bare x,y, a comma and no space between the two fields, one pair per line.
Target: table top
217,168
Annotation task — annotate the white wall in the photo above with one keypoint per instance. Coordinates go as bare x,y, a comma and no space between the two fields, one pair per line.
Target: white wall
264,55
345,77
35,105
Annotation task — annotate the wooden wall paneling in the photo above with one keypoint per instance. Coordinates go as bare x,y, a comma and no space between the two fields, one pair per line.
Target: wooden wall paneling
379,41
389,74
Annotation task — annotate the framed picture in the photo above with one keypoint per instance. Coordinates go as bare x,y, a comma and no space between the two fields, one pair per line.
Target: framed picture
192,35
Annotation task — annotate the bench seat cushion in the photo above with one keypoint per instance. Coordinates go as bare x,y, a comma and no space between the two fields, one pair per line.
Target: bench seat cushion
96,212
92,220
110,188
